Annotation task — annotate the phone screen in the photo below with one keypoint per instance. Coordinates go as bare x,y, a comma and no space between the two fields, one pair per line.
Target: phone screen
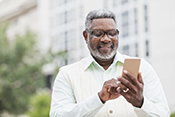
132,66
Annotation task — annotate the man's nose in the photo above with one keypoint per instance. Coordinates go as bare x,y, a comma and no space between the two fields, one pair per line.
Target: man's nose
105,39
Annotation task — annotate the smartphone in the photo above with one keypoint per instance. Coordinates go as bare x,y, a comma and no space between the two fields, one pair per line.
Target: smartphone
132,66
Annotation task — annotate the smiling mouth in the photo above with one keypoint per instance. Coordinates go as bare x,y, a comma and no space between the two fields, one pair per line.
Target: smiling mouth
104,49
105,46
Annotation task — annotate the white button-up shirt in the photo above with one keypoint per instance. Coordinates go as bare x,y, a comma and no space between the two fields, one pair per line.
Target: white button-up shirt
63,102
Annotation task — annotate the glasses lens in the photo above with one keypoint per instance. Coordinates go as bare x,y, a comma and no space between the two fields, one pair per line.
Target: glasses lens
98,33
112,33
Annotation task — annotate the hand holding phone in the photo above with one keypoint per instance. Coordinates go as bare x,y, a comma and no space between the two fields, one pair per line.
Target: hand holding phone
132,66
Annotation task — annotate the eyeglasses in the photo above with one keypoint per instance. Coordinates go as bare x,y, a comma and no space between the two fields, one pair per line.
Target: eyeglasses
98,33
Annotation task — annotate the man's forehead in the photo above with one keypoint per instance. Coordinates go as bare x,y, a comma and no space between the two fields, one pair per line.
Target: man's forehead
103,22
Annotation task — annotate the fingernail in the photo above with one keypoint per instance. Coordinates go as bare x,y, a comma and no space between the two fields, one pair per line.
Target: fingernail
118,89
125,71
118,82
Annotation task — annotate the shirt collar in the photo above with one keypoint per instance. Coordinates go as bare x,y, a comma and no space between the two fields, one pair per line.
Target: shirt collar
119,57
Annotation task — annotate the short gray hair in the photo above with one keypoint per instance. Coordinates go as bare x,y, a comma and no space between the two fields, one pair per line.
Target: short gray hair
99,13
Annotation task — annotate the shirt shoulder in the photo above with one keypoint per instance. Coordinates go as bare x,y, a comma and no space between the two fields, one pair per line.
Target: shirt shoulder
79,65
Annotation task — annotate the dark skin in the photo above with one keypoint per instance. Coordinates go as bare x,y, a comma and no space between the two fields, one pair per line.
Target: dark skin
103,45
113,88
135,86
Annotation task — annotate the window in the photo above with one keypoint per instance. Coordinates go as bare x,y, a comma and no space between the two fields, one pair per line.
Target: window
116,3
124,1
66,46
65,40
60,2
70,15
146,17
126,49
71,45
66,17
71,40
147,48
136,49
54,3
61,42
135,20
61,18
81,12
125,24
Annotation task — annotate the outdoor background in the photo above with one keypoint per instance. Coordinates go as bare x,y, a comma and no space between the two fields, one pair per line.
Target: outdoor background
37,37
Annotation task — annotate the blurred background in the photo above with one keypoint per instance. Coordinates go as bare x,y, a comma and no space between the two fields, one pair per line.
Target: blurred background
37,37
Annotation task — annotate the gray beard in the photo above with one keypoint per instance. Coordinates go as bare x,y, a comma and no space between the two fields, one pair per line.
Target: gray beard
96,54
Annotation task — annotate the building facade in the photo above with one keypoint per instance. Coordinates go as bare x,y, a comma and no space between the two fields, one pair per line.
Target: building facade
146,30
21,16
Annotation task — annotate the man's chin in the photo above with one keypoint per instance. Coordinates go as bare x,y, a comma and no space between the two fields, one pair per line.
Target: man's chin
101,55
104,57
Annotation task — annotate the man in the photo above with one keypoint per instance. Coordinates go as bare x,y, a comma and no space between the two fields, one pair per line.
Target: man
95,87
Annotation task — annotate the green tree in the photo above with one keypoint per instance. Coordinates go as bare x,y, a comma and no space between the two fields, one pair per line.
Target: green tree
20,71
172,114
39,105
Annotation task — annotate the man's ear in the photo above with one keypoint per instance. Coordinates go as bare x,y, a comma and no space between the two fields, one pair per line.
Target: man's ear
85,35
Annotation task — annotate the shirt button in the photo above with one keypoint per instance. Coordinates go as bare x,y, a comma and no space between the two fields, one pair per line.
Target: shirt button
110,111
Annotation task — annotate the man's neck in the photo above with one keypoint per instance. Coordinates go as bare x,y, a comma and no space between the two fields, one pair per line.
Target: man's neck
105,63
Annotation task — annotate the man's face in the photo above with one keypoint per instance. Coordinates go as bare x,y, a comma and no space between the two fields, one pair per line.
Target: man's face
102,46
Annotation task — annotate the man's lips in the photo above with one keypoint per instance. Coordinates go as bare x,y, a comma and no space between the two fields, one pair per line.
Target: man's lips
105,46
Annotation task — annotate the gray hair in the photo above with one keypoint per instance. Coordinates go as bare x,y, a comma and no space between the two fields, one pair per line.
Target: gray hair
99,13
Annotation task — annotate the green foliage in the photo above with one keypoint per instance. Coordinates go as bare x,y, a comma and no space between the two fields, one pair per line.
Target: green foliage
39,105
20,71
172,115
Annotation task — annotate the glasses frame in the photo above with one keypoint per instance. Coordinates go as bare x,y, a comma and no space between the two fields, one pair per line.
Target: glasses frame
105,32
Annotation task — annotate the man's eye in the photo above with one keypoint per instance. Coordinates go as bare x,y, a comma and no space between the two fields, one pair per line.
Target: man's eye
98,33
112,33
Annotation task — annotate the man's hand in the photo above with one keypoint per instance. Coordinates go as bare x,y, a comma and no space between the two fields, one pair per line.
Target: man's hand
131,90
108,91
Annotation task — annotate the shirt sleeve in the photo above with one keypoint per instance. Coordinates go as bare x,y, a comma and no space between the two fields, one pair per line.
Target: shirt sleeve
63,103
155,103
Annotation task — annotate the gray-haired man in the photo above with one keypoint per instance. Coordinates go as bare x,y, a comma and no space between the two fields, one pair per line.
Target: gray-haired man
94,86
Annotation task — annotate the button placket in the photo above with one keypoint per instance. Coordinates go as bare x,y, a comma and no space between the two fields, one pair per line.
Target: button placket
110,111
104,76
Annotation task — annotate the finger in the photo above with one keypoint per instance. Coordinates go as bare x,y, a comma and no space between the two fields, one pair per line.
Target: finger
108,86
115,86
127,95
111,85
140,78
126,83
122,88
117,81
114,81
118,90
131,77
